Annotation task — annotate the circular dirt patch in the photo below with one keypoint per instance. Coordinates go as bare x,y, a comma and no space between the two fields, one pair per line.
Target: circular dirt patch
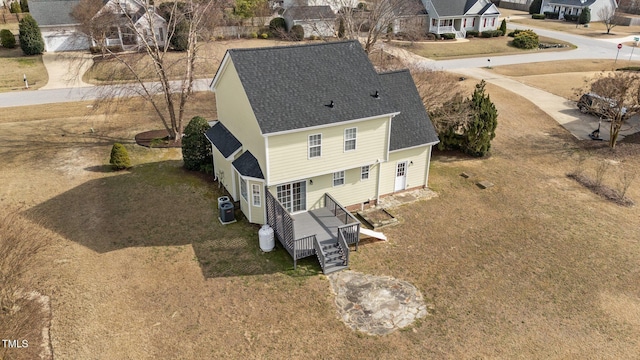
157,139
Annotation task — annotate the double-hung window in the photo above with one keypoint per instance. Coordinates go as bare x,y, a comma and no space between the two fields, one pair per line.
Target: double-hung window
255,194
338,178
315,145
350,135
364,172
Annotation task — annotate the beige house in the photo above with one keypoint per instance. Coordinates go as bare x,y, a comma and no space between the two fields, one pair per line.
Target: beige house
314,127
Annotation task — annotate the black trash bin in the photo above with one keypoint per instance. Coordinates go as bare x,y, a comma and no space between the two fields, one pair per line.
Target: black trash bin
226,212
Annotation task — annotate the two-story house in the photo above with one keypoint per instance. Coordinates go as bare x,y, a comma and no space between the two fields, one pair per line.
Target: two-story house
304,129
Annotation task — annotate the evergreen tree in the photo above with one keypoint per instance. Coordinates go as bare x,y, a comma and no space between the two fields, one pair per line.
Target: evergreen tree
119,157
503,27
24,5
482,127
535,7
7,39
30,37
585,16
341,29
15,7
196,149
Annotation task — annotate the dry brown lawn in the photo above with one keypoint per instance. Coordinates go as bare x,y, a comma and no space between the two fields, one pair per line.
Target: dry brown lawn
14,65
441,50
138,267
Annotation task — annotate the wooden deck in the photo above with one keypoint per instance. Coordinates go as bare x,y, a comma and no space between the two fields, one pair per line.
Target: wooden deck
319,222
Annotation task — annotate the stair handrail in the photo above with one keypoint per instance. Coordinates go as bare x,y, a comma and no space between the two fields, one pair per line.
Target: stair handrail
343,245
319,252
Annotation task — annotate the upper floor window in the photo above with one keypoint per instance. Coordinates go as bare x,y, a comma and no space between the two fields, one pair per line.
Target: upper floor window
338,178
315,145
350,139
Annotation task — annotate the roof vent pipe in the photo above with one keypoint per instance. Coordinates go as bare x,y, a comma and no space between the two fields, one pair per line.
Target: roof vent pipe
377,94
331,104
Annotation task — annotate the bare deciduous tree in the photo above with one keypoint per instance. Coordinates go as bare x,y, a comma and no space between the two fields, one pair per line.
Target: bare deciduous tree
622,89
371,22
626,179
609,17
154,72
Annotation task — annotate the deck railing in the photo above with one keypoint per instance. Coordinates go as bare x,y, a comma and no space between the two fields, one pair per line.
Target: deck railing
303,247
342,242
319,253
338,210
351,233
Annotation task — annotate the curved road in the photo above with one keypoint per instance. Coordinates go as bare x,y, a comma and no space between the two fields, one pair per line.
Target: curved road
587,48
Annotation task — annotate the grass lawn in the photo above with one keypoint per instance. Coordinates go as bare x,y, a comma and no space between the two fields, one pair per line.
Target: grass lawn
595,29
139,267
439,50
15,65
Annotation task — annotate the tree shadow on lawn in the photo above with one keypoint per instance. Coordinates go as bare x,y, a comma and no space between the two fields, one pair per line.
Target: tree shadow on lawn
161,204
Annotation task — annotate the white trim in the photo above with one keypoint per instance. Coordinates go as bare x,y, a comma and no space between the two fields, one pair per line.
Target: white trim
267,162
221,69
233,182
253,202
388,138
415,147
246,190
331,125
406,174
426,172
344,139
368,172
233,154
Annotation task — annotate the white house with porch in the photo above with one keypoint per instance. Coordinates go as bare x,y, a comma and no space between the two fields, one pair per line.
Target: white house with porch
459,16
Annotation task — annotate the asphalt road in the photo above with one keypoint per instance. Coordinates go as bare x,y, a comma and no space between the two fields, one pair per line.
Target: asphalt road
588,48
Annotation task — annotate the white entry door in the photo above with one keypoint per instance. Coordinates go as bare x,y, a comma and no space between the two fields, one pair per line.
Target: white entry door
401,176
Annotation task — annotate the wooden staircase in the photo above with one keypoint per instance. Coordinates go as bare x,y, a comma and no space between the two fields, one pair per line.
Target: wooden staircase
333,257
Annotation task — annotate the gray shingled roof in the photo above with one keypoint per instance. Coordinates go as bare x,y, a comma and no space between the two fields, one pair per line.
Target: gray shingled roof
410,8
413,126
53,12
247,165
291,87
568,2
222,139
452,7
309,13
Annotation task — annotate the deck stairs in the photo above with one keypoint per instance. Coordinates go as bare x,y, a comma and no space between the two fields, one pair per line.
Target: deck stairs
334,257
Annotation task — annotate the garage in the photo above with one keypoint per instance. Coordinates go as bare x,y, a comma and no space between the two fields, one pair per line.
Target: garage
55,42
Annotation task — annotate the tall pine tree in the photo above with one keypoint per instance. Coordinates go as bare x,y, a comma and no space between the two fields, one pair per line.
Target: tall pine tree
482,127
30,37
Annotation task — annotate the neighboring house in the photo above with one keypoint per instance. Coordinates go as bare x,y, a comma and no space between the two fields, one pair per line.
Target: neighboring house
522,5
460,16
120,15
412,18
335,5
304,129
574,7
59,29
315,20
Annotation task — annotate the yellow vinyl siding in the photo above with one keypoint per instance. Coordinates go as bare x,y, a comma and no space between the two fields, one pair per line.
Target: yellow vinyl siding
223,170
354,191
235,112
415,173
288,153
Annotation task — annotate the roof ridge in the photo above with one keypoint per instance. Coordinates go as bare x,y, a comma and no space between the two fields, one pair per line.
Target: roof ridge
294,46
394,71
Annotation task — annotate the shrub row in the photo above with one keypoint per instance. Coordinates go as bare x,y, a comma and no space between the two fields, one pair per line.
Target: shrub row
472,33
552,15
491,33
539,16
448,36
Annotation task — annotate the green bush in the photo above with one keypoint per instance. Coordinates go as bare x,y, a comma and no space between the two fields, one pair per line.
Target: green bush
15,7
571,18
448,36
538,16
253,35
180,39
491,33
526,40
7,39
30,37
24,6
514,33
535,7
297,32
341,29
503,27
585,16
552,15
196,149
264,35
119,157
277,26
472,33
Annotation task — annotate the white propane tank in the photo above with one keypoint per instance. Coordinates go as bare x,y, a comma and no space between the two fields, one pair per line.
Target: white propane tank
265,234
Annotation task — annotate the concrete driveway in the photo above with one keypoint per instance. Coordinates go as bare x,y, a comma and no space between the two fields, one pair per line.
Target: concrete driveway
66,69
